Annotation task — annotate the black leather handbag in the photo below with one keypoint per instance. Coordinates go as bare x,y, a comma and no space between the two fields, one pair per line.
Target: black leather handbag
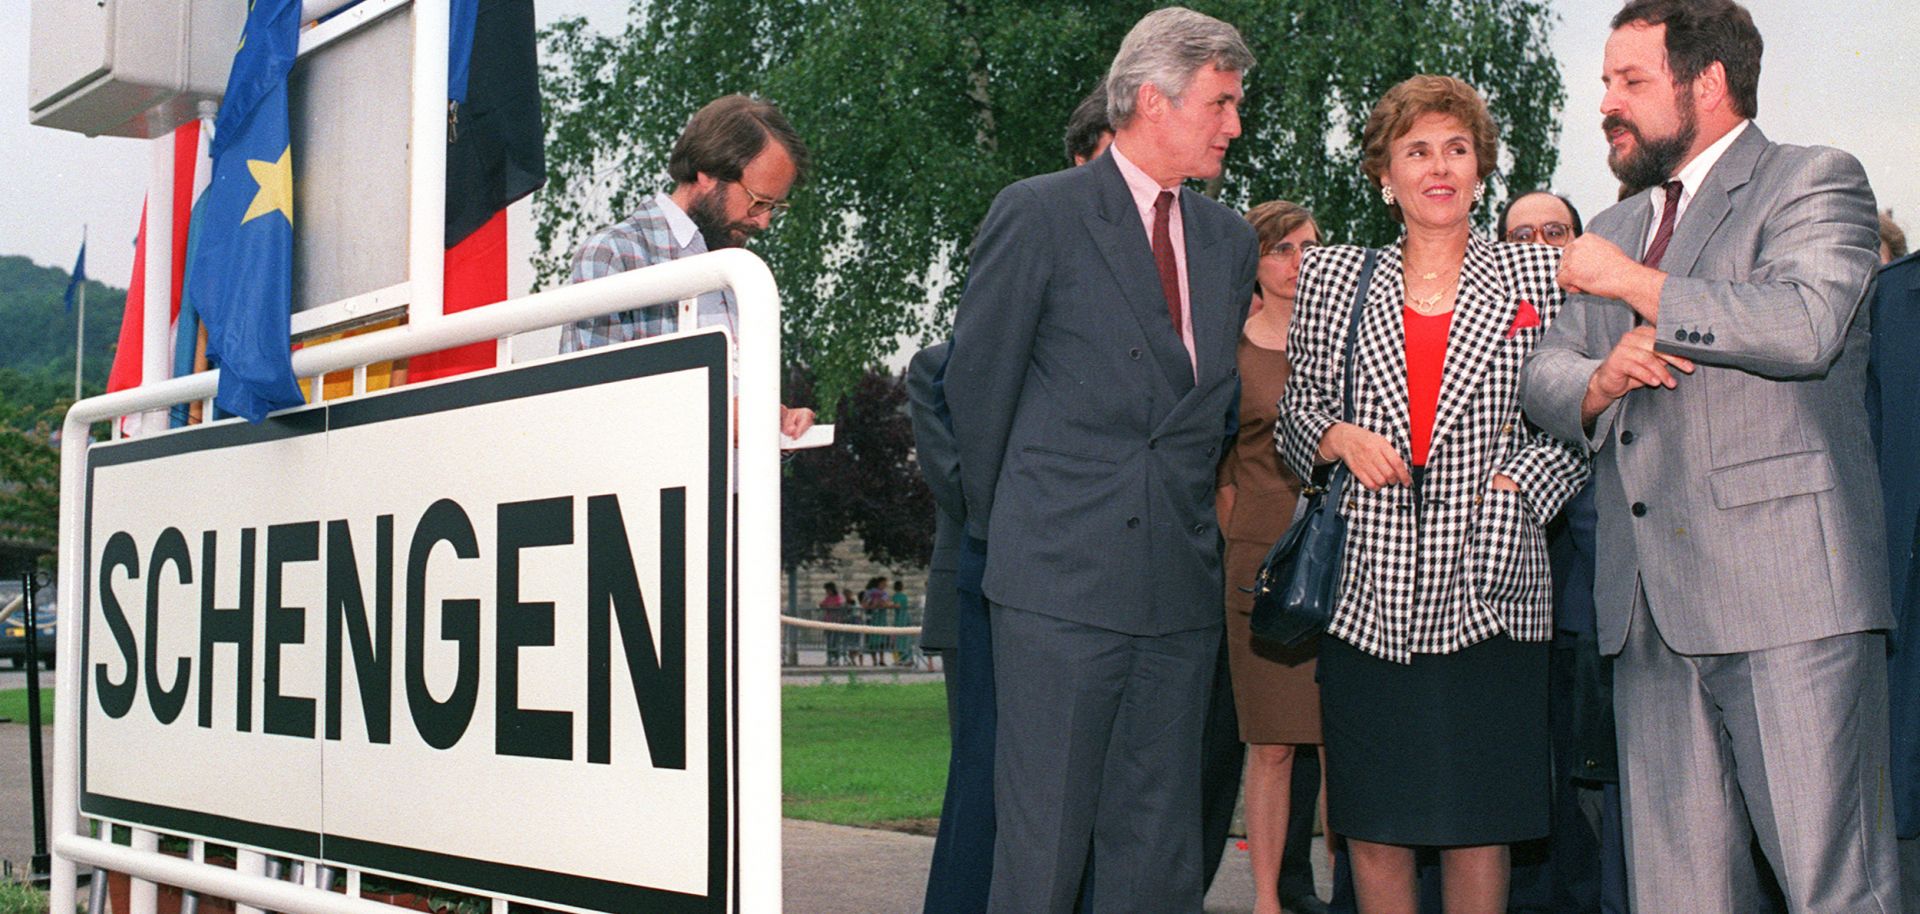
1299,584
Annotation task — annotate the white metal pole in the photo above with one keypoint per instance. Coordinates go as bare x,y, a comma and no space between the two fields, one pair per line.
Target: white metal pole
427,203
757,602
157,316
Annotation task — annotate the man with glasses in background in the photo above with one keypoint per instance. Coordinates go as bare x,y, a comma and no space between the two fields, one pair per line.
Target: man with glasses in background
732,168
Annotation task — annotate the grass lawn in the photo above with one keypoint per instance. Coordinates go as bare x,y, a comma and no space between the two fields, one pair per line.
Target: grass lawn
853,754
13,704
859,754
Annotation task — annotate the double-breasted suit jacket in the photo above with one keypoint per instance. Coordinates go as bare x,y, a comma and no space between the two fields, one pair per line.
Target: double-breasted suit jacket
1468,561
1088,438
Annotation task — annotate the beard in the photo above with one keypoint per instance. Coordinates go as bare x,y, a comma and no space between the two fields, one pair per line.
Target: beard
1653,161
709,215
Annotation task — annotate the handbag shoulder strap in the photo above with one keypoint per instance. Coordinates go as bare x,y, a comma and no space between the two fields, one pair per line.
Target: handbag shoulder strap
1353,329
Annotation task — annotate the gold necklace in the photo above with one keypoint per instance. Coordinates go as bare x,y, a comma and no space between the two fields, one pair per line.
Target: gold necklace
1429,305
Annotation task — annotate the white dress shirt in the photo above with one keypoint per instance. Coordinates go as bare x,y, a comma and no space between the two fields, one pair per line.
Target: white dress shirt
1690,176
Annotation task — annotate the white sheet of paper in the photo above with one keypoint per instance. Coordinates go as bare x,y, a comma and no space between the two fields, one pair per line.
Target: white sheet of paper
817,436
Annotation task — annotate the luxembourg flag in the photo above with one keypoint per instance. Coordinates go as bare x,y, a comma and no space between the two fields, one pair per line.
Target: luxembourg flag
192,170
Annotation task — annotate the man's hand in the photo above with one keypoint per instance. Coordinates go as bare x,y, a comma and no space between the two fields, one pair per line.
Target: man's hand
1504,483
795,421
1631,365
1370,457
1596,266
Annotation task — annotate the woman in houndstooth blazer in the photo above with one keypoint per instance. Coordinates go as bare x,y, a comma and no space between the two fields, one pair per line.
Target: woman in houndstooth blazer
1434,674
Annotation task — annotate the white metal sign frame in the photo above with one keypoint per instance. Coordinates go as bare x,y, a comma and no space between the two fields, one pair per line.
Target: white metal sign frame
756,866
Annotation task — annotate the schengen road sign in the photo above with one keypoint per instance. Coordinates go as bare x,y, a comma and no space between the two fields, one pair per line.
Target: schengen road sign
473,633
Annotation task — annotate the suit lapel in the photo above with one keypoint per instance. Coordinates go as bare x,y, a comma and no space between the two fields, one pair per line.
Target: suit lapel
1115,226
1208,286
1382,350
1483,310
1711,202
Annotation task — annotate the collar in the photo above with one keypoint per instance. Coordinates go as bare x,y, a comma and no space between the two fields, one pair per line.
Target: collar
678,222
1694,173
1141,185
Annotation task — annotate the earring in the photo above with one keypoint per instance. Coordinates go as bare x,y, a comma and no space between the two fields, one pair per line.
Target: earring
1479,190
1386,195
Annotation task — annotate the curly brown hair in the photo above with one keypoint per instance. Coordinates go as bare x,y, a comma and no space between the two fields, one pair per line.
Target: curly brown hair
1407,102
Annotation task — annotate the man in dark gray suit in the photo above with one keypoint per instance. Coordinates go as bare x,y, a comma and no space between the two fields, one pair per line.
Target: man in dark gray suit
1716,372
1091,382
956,622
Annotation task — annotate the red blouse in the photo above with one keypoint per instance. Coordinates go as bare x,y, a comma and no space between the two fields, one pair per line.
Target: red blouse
1426,361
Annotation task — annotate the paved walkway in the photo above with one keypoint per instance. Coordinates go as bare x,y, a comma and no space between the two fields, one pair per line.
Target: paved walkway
833,869
828,869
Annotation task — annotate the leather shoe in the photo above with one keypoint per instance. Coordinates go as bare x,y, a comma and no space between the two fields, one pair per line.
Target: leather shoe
1305,904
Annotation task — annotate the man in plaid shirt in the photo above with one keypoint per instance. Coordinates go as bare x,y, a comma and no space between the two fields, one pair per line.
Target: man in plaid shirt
731,168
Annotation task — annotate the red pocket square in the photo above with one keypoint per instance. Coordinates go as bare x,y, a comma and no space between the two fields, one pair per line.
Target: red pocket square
1524,318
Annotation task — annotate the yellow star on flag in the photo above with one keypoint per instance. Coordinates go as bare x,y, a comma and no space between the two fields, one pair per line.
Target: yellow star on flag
276,187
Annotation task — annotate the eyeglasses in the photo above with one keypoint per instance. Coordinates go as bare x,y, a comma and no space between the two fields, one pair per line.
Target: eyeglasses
1288,248
1554,233
762,205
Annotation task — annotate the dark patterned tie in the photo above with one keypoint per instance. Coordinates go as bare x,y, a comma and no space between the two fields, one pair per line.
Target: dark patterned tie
1669,214
1163,257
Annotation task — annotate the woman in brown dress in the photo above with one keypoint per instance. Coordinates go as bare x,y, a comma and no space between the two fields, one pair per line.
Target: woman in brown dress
1272,686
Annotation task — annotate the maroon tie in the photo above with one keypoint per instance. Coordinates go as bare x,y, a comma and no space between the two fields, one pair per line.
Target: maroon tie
1669,214
1163,258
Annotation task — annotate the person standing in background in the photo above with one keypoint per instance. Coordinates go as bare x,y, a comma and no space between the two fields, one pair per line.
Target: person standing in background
833,608
1273,689
732,168
1893,389
1581,867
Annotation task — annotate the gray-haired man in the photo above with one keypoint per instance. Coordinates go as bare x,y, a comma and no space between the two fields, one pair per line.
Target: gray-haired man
1091,382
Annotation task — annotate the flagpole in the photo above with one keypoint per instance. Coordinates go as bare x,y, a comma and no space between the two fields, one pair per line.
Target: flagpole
80,329
79,342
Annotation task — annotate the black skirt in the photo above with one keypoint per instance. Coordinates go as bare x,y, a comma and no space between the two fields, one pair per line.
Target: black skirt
1451,750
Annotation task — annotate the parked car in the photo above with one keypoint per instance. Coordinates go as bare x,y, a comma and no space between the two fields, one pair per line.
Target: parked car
13,638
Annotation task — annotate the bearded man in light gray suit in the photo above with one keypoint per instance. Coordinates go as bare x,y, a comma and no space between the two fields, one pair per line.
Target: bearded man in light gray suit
1716,372
1092,383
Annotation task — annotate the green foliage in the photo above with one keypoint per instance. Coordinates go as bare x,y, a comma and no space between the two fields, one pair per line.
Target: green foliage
867,483
861,754
36,387
920,111
29,474
21,898
39,333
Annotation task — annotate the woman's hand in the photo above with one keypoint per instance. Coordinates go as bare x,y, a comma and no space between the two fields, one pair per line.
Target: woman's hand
1369,456
1505,483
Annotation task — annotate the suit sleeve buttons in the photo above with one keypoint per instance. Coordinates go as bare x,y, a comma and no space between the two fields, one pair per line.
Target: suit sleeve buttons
1707,338
1680,336
1693,337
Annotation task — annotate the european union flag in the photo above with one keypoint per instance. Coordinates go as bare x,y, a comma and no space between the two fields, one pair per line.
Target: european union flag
79,275
241,268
